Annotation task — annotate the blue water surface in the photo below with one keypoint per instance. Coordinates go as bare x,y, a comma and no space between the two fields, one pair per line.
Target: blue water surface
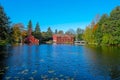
60,62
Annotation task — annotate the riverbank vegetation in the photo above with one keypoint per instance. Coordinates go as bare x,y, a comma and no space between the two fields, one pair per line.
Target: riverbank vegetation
13,33
104,31
4,27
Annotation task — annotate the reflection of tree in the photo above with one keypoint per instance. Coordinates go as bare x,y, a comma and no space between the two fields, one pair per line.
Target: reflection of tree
111,58
105,60
115,73
2,65
3,56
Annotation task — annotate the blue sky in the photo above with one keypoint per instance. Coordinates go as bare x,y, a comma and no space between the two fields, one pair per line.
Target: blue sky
57,14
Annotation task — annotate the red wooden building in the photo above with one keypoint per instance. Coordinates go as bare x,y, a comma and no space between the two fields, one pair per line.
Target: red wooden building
63,39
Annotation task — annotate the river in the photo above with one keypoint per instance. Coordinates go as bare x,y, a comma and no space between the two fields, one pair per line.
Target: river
59,62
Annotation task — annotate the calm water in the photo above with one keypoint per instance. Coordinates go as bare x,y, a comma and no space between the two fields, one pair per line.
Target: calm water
60,62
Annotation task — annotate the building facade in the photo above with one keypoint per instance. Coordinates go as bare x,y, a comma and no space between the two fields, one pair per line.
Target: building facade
63,39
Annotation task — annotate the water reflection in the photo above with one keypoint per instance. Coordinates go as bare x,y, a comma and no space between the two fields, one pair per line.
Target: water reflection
106,60
4,55
60,62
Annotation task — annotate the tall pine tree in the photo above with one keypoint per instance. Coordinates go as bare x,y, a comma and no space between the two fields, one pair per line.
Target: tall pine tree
49,32
29,27
4,25
56,31
37,32
37,28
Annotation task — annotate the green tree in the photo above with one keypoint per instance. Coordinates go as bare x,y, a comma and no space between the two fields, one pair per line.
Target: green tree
37,28
30,24
99,31
49,32
37,32
106,30
29,28
111,28
4,26
115,14
79,33
88,35
56,31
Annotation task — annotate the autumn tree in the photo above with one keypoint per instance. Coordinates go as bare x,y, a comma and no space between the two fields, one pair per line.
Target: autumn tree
24,34
106,30
16,32
87,35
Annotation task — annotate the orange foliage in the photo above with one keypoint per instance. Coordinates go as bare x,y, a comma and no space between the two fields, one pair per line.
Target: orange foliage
95,27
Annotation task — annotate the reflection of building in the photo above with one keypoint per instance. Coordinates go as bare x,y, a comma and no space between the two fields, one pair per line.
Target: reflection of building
63,39
80,42
30,38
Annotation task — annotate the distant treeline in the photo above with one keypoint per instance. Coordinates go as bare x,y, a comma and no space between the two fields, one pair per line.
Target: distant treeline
104,30
16,33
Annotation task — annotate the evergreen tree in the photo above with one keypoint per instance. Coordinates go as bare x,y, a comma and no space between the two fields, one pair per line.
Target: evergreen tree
37,32
4,25
37,28
56,31
49,32
29,24
29,27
